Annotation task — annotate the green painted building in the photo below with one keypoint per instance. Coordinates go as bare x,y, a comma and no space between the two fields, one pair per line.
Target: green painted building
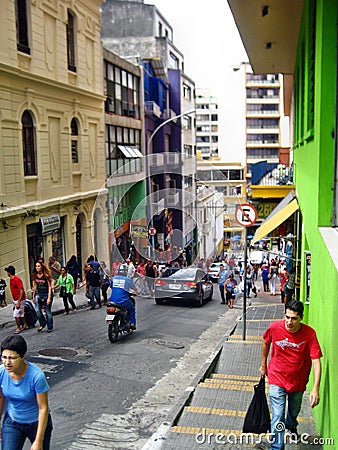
299,39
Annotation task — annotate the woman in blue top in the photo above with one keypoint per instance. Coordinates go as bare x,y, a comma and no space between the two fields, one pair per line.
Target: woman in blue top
25,388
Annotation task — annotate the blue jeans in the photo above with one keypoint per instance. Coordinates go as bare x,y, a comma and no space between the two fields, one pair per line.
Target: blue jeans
130,307
14,434
94,292
40,304
221,289
278,405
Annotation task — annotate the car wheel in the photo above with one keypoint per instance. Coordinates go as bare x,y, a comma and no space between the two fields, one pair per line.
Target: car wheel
199,298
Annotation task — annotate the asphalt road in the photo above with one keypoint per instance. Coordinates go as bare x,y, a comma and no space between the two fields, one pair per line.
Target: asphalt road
97,386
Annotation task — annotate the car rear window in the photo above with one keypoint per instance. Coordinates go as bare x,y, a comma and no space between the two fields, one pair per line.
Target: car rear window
185,274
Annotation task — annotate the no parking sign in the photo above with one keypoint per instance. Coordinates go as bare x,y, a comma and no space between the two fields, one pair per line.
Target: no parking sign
246,214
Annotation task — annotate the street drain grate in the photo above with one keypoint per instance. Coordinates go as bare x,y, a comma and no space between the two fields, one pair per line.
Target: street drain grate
60,352
169,344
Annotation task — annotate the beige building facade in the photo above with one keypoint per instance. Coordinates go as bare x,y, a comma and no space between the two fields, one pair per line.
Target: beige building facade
52,168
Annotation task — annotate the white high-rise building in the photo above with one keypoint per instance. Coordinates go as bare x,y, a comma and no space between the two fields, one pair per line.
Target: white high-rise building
206,125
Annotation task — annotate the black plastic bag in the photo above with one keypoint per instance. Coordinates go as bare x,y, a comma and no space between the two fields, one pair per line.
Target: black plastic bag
257,418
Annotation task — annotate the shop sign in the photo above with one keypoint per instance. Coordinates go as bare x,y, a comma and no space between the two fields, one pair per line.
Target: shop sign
264,209
138,231
50,223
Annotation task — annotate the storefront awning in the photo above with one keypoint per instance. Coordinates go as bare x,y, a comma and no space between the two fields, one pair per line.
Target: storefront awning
283,211
130,151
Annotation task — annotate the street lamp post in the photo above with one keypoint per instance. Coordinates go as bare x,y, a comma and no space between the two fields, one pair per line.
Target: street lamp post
150,205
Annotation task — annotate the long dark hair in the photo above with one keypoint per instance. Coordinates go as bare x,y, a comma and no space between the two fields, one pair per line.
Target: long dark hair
45,271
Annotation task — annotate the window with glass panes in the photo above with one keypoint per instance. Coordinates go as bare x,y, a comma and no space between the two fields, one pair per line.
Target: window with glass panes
28,144
74,141
22,26
116,161
123,91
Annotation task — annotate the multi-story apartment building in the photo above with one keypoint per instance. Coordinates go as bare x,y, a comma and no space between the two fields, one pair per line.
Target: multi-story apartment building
52,132
125,164
267,142
263,117
206,125
144,35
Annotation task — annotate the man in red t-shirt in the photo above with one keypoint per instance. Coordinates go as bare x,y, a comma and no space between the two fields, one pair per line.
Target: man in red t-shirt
295,349
19,297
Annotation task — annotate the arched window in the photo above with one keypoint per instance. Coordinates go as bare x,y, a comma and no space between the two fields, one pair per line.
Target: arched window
71,42
74,141
28,144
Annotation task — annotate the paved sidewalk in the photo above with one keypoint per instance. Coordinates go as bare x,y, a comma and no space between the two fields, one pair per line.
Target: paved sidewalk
6,313
213,415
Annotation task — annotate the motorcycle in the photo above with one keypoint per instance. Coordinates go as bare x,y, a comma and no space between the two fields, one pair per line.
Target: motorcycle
118,321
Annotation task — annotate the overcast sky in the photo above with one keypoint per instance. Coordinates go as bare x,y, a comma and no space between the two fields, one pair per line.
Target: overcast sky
206,34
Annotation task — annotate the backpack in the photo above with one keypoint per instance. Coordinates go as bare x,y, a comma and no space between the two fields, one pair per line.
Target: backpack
30,314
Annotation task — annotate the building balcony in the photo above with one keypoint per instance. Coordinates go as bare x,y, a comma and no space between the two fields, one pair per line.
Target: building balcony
206,227
155,160
263,83
158,204
262,129
172,159
173,198
152,108
266,114
262,144
169,114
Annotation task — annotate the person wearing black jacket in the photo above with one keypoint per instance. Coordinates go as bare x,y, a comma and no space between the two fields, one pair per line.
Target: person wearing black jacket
74,269
93,285
151,274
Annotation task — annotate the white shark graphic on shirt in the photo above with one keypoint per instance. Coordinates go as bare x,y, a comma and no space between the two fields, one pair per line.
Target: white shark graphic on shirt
285,343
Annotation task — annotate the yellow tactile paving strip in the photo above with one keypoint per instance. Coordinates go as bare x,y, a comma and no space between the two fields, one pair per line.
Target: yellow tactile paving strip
228,412
208,431
234,377
253,337
230,385
250,339
215,411
231,382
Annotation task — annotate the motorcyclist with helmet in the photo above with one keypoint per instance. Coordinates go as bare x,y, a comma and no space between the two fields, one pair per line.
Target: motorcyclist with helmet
121,287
